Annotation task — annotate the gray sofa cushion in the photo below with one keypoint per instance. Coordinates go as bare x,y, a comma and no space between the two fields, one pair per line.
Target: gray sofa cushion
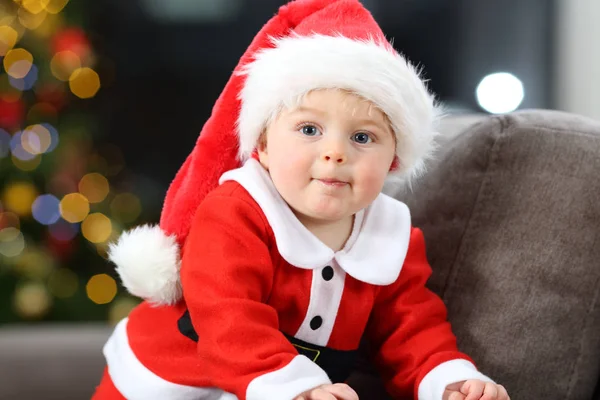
511,214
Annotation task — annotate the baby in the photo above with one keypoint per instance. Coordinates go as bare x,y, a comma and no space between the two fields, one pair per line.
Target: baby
277,252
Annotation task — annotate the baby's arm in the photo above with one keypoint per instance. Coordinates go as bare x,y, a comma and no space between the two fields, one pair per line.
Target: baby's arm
227,276
415,348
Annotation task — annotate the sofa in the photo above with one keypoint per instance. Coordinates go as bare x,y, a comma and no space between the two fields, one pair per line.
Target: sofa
510,209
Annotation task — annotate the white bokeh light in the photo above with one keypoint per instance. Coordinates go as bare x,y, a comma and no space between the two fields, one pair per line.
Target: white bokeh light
500,93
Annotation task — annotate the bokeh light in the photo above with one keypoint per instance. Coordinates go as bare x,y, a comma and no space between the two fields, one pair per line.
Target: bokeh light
31,20
34,6
500,93
35,263
41,111
27,81
18,198
32,300
121,308
53,137
36,139
12,242
16,147
9,220
126,207
101,289
96,228
84,82
63,231
17,63
8,39
56,6
94,187
27,165
45,209
74,207
63,283
63,64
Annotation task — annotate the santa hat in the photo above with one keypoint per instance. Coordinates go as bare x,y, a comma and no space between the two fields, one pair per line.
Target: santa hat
308,45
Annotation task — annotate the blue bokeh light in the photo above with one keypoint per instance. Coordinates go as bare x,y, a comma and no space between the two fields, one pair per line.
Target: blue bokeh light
45,209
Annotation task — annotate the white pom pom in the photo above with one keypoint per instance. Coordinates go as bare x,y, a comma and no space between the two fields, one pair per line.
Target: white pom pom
148,263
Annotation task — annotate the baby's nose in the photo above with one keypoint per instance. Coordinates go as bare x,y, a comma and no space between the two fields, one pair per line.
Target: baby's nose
335,156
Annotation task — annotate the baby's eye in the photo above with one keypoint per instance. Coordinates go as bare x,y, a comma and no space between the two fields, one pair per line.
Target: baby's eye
362,138
310,130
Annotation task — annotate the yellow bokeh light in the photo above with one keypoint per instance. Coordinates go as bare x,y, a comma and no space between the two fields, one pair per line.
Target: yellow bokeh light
84,82
36,139
56,6
34,6
35,263
6,16
52,24
101,289
32,300
63,64
94,186
18,198
120,309
12,242
8,39
30,20
74,207
96,228
17,63
126,207
63,283
27,165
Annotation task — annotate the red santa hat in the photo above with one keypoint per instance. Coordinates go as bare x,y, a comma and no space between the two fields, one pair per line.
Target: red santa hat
308,45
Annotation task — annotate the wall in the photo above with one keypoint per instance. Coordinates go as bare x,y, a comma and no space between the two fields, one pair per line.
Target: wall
577,86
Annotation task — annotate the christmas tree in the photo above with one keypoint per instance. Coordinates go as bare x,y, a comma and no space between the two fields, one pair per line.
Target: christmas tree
59,202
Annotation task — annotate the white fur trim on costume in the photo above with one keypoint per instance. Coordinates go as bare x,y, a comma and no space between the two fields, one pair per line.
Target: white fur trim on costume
434,383
376,72
136,382
298,376
148,263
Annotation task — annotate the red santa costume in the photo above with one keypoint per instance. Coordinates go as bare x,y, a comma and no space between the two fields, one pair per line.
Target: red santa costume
242,301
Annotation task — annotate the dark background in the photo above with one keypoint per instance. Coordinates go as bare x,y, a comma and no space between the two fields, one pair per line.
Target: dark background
162,64
169,72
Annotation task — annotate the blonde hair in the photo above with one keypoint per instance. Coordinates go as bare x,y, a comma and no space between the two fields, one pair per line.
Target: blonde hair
295,101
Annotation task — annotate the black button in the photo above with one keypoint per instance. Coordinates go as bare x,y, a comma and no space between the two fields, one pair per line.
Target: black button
315,323
327,273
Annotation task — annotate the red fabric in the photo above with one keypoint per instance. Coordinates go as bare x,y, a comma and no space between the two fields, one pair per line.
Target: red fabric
242,295
418,337
107,390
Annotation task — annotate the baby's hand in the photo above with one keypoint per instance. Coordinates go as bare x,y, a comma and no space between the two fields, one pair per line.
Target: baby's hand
337,391
475,389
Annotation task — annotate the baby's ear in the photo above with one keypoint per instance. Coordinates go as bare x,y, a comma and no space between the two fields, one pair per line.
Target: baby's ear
395,164
261,155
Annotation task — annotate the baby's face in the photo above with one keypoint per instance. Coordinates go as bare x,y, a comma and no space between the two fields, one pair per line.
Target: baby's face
329,157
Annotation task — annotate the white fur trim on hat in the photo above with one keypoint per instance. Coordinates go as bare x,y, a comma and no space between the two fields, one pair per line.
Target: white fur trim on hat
148,263
372,70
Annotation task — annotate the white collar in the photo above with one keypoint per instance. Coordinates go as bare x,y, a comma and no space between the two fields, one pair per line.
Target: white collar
375,251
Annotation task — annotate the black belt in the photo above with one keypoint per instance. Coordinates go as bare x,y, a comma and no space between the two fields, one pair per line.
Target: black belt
338,364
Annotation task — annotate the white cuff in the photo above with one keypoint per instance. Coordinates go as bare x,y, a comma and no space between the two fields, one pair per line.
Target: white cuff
434,383
136,382
300,375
